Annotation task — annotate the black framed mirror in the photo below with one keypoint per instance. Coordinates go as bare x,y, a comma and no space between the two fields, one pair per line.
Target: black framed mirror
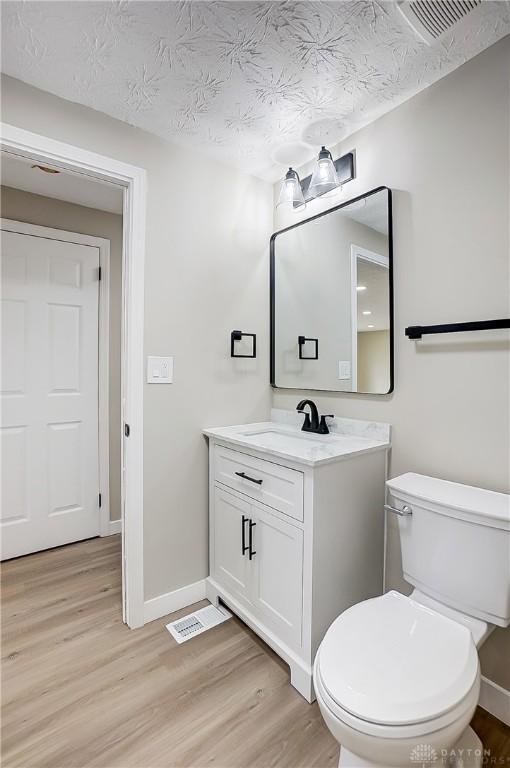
332,299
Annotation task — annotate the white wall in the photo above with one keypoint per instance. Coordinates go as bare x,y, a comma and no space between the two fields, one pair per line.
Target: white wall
445,155
206,274
49,212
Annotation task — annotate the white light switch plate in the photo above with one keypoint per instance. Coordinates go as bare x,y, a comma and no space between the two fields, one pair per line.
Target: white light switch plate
344,369
160,370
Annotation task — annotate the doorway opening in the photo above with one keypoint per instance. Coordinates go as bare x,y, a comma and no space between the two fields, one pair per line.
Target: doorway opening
370,321
73,353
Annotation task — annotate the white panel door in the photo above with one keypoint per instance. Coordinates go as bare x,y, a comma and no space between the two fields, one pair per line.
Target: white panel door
231,531
49,393
277,575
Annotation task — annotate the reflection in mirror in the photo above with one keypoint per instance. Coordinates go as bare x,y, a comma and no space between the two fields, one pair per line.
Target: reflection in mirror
331,299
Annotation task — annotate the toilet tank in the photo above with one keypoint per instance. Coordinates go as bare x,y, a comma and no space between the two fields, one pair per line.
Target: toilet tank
456,544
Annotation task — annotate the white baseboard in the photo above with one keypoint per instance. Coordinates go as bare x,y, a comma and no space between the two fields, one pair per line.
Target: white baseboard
110,527
173,601
495,700
115,527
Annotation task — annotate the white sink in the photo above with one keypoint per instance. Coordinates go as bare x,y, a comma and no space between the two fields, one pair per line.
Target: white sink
285,439
289,442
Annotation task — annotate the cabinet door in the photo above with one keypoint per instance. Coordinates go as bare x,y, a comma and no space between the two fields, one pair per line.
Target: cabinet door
278,575
231,566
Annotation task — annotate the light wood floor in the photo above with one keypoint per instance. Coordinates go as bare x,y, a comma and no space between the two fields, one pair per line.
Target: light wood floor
79,689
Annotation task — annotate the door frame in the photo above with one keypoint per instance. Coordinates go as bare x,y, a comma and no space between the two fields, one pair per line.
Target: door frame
42,149
103,245
358,251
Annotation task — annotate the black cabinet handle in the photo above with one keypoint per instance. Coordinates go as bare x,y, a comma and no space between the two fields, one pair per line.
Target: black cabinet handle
250,540
244,548
247,477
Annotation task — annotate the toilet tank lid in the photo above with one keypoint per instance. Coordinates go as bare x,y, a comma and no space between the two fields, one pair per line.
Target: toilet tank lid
455,499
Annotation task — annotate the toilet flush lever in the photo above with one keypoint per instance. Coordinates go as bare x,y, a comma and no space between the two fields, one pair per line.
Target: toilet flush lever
404,512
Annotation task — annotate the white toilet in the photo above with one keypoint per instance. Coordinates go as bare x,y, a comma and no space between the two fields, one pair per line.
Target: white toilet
397,678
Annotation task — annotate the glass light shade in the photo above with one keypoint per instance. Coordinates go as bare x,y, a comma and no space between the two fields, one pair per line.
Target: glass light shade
324,177
291,194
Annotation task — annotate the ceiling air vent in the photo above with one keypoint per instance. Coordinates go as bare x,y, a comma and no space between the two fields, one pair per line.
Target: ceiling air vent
430,19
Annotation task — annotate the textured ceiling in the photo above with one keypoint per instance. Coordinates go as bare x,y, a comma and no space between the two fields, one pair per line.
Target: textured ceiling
248,82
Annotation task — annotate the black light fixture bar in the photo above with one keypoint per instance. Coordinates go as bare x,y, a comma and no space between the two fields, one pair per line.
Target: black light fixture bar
417,331
346,171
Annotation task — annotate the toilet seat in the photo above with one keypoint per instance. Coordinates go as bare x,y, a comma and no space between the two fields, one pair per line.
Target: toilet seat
391,664
416,731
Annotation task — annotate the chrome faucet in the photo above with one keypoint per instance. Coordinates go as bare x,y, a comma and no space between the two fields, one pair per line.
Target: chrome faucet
311,422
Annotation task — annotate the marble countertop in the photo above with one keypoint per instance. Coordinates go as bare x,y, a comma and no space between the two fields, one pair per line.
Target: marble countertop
282,438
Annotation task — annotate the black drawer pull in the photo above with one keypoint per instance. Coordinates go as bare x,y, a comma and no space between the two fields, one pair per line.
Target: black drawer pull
244,548
247,477
250,539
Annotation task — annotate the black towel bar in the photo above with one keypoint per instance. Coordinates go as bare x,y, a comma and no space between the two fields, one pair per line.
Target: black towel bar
417,331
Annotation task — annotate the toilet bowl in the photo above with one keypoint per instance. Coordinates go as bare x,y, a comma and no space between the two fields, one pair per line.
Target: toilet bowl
397,683
397,678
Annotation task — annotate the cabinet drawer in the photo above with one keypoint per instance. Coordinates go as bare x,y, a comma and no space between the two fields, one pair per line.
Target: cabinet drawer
279,487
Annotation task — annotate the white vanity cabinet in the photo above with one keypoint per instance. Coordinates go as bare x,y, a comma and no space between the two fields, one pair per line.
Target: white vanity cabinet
262,568
293,544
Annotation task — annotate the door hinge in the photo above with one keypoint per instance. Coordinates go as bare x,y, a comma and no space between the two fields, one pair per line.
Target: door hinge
99,499
126,430
99,273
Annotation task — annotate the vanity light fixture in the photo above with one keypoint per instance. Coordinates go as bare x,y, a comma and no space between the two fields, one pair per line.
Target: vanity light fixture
328,176
361,287
366,312
291,193
371,326
324,177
